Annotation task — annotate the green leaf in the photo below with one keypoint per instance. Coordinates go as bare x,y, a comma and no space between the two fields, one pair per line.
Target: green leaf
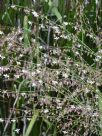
50,3
57,14
55,3
33,120
26,32
6,17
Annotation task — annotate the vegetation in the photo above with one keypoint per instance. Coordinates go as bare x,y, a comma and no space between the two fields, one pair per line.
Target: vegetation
50,68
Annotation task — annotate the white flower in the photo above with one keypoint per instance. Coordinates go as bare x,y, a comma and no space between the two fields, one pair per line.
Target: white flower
13,120
35,14
57,72
13,6
38,65
1,69
33,40
100,51
29,22
6,75
64,36
54,51
17,130
26,111
77,53
87,90
1,33
21,55
33,84
54,82
42,26
16,76
65,132
18,63
40,81
56,29
79,45
65,23
95,114
54,62
59,107
24,71
90,82
10,44
84,71
72,107
23,94
46,111
56,38
2,57
33,73
99,57
45,55
40,47
1,120
21,38
65,75
28,119
38,71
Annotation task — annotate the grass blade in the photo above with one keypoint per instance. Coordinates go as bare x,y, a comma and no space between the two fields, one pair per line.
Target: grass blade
33,120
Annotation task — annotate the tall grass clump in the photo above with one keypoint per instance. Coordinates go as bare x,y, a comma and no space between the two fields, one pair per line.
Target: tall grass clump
50,68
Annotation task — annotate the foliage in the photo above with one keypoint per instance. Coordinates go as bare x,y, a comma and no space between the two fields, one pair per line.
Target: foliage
50,68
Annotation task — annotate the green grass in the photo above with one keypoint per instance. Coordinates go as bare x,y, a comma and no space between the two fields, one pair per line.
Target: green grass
50,67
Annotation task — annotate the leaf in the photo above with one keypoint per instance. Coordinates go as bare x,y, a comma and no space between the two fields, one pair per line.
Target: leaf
26,32
33,120
57,14
6,17
55,3
13,129
50,3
